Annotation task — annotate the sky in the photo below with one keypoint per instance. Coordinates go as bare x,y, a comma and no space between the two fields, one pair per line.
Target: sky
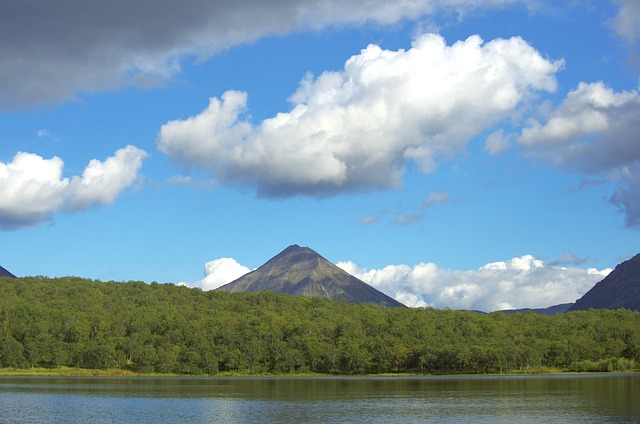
455,154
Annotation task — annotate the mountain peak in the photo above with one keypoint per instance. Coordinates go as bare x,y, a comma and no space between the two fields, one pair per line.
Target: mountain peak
301,271
294,249
295,254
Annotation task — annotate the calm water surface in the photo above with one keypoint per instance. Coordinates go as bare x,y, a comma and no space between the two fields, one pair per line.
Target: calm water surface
602,398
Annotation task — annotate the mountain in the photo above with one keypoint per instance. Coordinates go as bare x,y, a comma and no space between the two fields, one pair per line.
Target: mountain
300,271
551,310
619,289
5,273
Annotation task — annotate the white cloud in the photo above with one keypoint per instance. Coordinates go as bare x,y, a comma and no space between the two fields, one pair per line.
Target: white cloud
370,220
103,45
437,198
356,128
101,182
32,188
497,142
594,131
43,133
407,219
627,21
220,272
523,282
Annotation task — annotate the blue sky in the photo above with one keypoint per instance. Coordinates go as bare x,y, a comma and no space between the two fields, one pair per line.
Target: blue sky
452,153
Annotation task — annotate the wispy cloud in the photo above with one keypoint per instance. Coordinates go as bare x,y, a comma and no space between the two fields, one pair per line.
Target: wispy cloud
43,133
411,214
370,220
46,134
437,198
569,259
188,180
402,219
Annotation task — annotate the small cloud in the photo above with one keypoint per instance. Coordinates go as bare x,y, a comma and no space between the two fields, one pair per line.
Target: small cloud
45,133
187,180
220,272
180,180
497,142
410,219
569,259
370,220
587,183
436,198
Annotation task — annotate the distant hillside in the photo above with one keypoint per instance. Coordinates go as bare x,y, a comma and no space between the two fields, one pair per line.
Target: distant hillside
5,273
300,271
620,289
551,310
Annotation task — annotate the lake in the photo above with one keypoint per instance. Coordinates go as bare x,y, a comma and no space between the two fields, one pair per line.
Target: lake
580,398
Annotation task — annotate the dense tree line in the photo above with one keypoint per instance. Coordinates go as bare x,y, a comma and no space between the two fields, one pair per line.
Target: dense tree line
174,329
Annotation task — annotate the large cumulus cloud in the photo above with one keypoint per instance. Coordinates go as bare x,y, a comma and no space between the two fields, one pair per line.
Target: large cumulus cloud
32,188
357,128
53,50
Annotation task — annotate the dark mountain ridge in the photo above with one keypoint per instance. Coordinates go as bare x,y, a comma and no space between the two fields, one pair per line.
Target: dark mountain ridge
300,271
5,273
550,311
619,289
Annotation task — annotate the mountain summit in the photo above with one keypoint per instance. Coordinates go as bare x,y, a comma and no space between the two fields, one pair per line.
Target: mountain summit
301,271
619,289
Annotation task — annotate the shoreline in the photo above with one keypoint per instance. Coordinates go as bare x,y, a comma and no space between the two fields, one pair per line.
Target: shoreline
81,372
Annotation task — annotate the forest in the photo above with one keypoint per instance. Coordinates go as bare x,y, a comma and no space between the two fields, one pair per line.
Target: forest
166,328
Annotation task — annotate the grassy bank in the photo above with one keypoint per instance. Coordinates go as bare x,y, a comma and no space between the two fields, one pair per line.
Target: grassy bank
73,372
82,372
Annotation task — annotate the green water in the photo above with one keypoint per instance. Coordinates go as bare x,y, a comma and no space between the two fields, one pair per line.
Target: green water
484,399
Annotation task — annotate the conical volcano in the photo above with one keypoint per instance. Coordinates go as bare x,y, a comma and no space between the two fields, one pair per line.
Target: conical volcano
301,271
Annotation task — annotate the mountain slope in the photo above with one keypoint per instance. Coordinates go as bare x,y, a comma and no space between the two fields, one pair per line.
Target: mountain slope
300,271
619,289
5,273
